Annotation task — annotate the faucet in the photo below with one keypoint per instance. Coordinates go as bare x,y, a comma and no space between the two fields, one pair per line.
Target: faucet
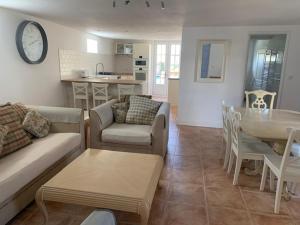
97,68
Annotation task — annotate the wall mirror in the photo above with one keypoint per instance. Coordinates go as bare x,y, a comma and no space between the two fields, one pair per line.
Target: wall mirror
211,60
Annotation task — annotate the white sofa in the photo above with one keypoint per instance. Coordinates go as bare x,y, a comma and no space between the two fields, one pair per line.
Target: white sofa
24,171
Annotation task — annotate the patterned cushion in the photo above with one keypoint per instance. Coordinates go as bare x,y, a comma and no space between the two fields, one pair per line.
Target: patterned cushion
120,111
36,124
3,133
126,98
16,137
142,110
21,110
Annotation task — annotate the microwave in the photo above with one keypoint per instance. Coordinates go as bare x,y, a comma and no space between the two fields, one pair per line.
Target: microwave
141,62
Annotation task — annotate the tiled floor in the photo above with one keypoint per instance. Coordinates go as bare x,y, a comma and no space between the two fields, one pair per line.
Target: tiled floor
194,191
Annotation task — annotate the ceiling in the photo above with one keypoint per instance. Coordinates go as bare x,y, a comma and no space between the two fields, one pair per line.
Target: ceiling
136,21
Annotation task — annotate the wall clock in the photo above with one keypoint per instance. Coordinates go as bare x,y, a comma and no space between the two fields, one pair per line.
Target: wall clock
31,42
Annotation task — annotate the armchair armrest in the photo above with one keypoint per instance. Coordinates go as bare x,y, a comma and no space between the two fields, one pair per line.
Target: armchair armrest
160,129
100,118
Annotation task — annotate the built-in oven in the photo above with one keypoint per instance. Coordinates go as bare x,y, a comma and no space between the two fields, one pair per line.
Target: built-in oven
140,73
141,62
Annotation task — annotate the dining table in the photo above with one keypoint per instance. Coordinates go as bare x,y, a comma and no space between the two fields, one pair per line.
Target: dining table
271,126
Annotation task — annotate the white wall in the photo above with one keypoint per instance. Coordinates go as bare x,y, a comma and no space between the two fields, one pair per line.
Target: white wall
37,84
200,103
173,91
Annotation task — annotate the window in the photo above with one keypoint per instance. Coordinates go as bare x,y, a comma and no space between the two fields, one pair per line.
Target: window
175,61
160,64
92,46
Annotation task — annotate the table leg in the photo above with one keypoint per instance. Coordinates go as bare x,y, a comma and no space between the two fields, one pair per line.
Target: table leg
41,205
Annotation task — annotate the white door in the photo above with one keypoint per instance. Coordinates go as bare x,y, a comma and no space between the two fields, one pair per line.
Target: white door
166,64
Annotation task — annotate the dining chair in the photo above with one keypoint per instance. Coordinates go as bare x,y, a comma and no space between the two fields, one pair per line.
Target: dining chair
226,133
80,92
251,150
125,89
286,168
259,101
100,93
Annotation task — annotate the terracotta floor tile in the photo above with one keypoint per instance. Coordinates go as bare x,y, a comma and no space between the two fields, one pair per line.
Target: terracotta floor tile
55,218
187,176
157,214
228,216
182,214
186,193
162,190
271,220
217,178
263,202
187,162
225,197
294,207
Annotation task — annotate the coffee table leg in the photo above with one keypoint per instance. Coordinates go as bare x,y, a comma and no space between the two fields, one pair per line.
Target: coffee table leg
41,205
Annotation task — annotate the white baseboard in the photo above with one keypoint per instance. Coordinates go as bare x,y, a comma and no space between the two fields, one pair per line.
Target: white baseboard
212,124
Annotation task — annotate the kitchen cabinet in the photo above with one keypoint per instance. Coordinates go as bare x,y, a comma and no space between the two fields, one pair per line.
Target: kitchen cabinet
141,50
124,49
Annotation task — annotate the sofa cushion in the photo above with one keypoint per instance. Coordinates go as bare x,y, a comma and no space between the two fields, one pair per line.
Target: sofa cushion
36,124
142,110
21,167
120,111
127,134
16,137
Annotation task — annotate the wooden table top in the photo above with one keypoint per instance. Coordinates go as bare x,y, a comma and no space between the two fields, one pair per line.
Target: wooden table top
268,124
102,81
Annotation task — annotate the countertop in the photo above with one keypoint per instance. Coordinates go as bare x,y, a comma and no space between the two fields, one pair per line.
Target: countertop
103,81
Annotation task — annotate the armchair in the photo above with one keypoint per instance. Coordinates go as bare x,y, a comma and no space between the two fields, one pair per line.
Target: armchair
106,134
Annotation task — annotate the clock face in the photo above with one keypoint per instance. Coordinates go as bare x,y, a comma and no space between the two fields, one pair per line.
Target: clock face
32,42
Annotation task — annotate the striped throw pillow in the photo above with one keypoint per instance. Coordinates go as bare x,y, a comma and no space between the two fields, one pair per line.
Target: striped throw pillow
16,137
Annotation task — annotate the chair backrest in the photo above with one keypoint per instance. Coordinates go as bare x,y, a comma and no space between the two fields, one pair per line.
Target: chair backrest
100,91
225,118
80,90
125,89
287,159
234,123
259,101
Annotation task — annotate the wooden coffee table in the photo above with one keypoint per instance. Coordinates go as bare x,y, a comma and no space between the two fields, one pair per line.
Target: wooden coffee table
106,179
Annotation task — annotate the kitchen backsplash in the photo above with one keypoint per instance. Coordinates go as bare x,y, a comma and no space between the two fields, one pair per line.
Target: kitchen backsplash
71,62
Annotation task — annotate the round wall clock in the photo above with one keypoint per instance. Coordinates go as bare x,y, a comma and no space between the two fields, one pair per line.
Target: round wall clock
31,42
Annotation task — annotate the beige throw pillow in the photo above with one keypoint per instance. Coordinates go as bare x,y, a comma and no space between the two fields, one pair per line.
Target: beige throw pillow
36,124
142,110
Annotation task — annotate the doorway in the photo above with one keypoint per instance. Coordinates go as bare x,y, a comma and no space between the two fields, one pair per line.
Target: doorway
265,62
166,65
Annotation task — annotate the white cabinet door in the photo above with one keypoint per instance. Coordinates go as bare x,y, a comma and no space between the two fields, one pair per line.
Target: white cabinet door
141,50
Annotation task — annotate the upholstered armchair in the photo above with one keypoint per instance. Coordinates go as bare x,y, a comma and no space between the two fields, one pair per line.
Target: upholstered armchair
106,134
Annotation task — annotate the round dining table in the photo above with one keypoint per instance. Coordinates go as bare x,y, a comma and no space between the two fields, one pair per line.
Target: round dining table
269,125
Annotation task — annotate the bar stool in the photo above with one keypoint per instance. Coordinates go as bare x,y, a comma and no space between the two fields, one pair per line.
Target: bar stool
80,92
125,89
100,93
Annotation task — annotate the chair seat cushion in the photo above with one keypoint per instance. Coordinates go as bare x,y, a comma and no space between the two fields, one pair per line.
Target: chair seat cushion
255,148
127,134
274,161
21,167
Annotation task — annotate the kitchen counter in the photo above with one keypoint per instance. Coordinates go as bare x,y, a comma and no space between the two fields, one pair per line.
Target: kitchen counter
103,81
